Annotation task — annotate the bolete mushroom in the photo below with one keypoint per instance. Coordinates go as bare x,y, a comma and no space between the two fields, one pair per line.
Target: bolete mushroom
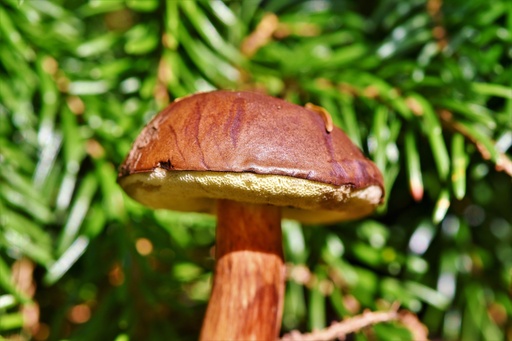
250,159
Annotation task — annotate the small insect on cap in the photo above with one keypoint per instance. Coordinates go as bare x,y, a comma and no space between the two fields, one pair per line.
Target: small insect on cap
253,148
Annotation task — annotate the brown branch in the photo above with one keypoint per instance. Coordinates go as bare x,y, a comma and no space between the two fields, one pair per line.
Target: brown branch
410,321
23,279
302,275
438,31
261,36
269,27
503,162
339,330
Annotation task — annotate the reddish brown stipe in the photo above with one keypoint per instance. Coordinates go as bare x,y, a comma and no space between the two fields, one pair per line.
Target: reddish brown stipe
249,275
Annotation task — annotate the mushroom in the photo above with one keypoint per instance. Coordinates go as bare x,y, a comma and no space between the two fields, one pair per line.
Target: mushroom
251,159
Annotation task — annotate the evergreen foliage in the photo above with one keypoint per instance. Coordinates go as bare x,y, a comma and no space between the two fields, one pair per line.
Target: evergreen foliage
423,87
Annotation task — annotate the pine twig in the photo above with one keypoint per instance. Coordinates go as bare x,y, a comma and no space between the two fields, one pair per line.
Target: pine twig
503,162
438,31
339,330
261,36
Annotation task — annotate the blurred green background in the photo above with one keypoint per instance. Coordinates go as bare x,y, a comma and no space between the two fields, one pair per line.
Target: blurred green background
423,87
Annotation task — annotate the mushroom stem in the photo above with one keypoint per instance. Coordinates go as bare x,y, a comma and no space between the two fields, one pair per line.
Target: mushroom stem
248,288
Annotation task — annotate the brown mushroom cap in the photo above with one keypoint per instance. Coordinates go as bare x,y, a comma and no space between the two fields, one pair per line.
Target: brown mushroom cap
249,147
